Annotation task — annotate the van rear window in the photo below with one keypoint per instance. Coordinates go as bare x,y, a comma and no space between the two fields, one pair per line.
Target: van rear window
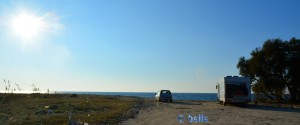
166,92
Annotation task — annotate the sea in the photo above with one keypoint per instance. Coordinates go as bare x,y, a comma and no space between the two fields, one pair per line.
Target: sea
150,95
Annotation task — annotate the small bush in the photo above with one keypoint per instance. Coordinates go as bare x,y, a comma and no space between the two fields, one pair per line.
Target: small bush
74,95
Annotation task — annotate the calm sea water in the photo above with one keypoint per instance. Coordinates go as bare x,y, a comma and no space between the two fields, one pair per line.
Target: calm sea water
176,96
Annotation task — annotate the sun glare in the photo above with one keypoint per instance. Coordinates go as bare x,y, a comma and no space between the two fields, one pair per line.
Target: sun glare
27,26
31,26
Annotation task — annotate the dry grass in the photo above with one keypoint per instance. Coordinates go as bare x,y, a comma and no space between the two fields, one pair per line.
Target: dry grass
56,108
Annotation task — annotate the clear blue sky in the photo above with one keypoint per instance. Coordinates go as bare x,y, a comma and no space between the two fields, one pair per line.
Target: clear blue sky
138,45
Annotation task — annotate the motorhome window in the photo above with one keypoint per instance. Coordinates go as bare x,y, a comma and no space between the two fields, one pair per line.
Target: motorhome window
236,90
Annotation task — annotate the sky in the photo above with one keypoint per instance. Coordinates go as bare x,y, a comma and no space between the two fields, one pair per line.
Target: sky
135,45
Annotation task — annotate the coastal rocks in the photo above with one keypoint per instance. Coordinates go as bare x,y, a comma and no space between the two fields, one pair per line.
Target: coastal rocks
135,109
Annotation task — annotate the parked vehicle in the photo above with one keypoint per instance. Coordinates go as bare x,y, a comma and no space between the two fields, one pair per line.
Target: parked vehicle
163,95
234,90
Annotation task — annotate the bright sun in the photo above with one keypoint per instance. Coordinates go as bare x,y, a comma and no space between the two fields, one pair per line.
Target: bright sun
27,26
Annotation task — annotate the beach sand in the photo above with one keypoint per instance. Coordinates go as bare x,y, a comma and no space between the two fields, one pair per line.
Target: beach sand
216,114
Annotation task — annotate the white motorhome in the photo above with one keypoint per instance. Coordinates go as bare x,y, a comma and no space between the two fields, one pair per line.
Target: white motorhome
234,89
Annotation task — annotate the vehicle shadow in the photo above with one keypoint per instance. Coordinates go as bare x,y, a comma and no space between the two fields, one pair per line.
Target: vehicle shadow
186,102
271,108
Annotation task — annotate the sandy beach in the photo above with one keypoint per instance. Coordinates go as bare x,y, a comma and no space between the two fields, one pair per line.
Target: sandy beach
216,114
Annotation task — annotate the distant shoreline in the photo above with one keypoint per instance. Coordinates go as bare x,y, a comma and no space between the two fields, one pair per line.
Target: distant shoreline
130,92
150,95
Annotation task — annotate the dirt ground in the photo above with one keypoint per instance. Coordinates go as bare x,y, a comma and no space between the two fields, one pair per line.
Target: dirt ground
188,112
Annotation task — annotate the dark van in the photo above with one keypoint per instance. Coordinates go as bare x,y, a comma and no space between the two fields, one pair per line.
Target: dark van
163,95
